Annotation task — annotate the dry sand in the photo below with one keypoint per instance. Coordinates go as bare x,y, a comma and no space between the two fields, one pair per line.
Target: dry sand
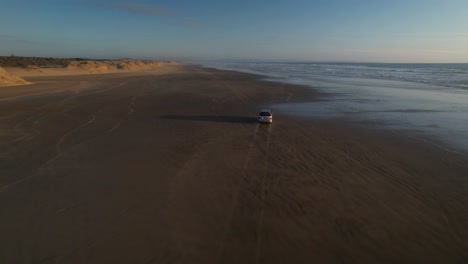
8,79
173,168
86,67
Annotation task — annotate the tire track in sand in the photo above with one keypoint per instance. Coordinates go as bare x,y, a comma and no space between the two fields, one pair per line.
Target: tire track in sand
263,197
60,142
28,135
59,145
237,192
254,143
60,152
432,143
131,110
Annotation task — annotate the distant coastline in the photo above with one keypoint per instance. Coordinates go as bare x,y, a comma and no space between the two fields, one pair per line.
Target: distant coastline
14,68
53,62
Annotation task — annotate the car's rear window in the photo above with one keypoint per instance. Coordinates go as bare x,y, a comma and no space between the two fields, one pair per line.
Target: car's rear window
265,114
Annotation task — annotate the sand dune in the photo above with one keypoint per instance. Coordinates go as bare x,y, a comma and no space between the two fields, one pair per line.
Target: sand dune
79,67
90,66
113,66
7,79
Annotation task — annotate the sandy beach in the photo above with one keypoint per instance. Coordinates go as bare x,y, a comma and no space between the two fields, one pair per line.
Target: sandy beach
170,166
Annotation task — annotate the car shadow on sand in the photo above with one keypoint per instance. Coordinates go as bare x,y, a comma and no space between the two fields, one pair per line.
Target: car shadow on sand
216,119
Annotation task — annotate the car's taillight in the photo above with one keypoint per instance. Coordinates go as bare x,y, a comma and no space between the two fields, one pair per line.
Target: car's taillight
271,118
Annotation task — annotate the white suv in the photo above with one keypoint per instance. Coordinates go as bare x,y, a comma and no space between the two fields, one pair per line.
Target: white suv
265,116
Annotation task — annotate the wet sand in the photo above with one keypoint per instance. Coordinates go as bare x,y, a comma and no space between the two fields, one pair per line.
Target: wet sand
173,168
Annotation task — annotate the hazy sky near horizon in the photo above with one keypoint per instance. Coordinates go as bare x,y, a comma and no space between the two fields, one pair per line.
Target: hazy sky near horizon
290,30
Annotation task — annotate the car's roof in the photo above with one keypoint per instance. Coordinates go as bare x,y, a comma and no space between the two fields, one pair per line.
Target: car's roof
265,110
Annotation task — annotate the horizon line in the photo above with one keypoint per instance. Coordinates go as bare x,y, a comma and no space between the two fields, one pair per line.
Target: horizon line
232,60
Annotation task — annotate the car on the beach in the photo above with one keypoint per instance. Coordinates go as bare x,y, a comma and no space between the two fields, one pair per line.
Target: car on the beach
265,116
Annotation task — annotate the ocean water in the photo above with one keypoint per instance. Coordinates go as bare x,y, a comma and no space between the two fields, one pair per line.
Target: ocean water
429,101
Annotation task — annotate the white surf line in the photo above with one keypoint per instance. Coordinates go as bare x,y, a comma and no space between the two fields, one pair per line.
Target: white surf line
235,197
262,198
432,143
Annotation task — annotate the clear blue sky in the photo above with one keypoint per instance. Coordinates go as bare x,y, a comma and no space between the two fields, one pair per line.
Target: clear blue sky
294,30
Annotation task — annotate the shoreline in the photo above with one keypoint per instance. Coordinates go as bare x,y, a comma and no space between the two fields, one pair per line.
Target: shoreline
173,167
388,104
